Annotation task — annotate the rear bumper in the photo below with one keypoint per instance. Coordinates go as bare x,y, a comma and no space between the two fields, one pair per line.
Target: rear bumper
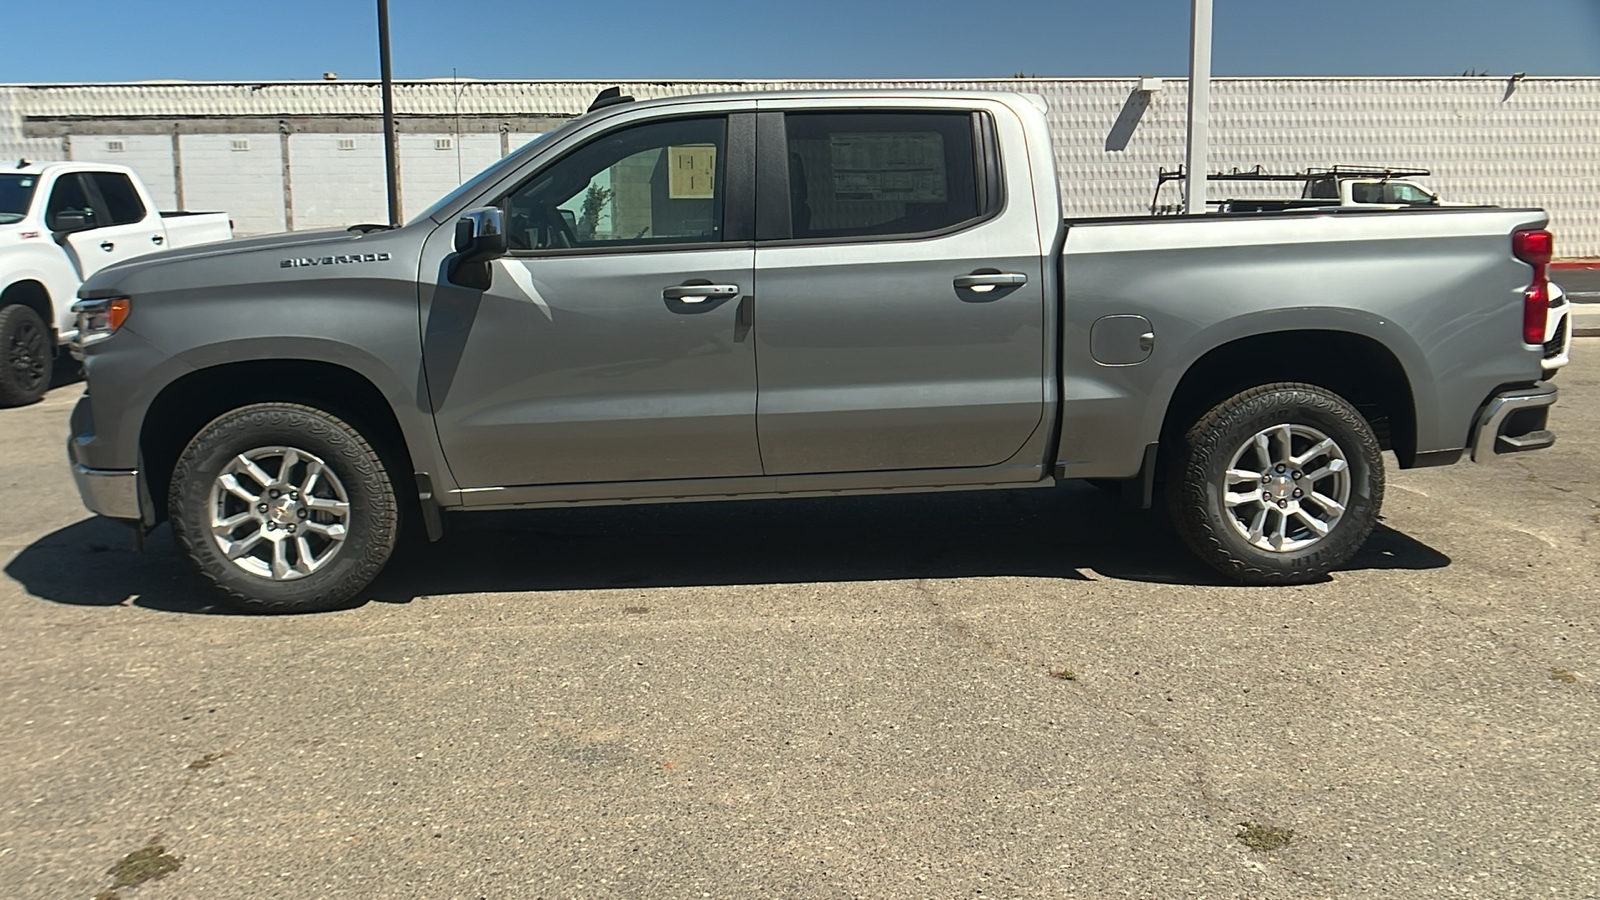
1513,421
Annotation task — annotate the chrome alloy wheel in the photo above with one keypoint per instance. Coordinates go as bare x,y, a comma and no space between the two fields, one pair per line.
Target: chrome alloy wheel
279,513
1287,487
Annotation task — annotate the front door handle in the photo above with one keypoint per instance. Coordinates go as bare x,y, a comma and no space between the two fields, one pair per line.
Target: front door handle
157,239
983,282
107,246
698,293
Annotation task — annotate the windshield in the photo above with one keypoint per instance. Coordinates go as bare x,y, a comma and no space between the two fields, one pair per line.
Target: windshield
477,181
16,193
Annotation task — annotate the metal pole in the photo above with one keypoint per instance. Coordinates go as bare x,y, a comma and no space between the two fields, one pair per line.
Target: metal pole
1199,106
391,157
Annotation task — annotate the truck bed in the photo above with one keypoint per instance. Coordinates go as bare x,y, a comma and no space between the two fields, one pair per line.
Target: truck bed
187,229
1421,282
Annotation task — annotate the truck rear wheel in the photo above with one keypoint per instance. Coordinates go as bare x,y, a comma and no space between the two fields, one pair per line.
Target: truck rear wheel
284,508
30,354
1278,484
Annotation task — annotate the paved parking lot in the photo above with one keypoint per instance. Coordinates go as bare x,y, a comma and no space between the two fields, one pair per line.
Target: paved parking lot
1023,694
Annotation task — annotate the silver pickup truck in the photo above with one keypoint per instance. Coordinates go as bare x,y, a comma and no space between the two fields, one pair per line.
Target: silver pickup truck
795,294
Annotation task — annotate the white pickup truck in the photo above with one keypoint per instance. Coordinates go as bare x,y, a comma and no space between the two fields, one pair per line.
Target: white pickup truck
59,224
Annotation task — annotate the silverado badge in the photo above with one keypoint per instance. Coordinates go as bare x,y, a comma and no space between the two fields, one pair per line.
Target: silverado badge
333,260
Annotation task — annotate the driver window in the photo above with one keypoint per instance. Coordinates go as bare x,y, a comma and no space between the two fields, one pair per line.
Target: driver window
68,195
653,184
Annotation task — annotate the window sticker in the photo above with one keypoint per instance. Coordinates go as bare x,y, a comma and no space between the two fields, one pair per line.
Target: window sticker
692,170
901,166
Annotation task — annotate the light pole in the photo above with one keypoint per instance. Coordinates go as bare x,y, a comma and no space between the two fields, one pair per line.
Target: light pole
1199,106
391,154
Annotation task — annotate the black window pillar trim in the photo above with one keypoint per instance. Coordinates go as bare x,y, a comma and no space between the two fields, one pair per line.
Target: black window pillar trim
739,202
991,182
773,216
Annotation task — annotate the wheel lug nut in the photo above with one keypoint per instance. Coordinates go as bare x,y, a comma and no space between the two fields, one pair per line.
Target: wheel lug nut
1266,477
261,507
1281,469
289,528
1283,504
1296,476
1298,493
274,493
271,527
301,514
295,495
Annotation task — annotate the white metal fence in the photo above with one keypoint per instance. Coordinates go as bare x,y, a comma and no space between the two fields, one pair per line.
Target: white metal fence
311,153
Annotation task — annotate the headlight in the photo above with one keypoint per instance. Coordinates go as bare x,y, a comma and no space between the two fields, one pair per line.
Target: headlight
100,319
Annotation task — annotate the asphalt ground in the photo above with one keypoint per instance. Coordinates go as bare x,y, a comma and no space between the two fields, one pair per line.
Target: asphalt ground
1016,694
1583,289
1580,283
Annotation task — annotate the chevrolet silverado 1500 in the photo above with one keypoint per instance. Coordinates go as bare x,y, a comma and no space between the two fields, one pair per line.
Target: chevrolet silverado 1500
792,294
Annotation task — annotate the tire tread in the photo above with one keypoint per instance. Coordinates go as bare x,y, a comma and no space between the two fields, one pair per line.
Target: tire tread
1187,502
11,393
375,548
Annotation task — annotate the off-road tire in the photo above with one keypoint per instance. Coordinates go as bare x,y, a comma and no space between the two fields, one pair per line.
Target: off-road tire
29,350
373,509
1195,489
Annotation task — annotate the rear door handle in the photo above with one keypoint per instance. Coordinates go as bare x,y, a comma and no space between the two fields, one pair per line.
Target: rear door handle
698,293
157,239
988,281
107,246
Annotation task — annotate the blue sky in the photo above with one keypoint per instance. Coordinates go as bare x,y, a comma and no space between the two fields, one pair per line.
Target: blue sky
206,40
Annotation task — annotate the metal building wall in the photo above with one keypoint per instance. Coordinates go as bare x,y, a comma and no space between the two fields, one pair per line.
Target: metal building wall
1532,142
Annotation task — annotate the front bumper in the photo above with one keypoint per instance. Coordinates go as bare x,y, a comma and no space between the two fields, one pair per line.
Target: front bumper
113,493
1513,421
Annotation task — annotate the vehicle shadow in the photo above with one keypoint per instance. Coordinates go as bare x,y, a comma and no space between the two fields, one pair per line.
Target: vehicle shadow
1067,532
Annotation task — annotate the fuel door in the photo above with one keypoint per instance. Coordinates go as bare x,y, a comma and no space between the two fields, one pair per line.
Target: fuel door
1121,340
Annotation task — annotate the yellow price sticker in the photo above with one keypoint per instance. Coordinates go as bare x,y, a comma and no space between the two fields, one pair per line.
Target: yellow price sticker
693,170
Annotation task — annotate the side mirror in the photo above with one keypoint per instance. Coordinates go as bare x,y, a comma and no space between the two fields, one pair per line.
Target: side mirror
480,237
70,220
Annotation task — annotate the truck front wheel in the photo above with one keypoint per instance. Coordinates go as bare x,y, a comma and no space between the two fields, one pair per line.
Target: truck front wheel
283,508
1278,484
30,352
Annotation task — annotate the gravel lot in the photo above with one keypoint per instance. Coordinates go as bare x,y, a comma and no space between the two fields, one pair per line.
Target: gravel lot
1020,694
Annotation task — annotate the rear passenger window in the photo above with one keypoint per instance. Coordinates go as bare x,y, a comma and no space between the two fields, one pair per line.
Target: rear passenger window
876,174
123,205
1363,192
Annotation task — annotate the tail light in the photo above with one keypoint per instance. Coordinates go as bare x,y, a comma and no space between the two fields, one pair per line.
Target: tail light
1534,247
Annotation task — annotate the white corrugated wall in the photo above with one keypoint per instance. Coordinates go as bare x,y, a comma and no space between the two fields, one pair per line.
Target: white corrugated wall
1533,142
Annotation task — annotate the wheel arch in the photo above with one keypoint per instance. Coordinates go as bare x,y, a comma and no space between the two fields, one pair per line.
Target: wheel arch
187,404
1356,366
33,294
